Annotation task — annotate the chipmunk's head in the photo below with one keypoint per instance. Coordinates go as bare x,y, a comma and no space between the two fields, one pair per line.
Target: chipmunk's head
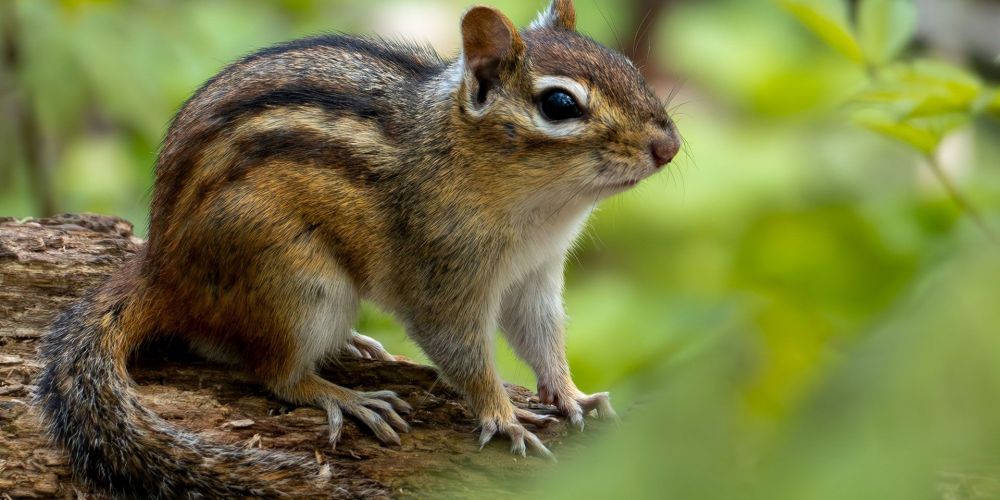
566,115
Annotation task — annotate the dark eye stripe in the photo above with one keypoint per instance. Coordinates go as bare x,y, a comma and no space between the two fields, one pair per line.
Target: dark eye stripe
559,105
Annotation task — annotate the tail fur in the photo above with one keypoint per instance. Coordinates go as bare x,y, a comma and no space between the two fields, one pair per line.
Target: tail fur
117,445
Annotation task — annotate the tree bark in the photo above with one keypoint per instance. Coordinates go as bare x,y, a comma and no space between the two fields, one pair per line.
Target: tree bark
46,263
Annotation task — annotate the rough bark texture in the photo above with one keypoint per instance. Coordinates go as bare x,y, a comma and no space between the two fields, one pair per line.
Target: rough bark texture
45,263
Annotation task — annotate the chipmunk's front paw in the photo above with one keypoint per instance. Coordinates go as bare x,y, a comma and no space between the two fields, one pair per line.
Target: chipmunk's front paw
521,439
576,405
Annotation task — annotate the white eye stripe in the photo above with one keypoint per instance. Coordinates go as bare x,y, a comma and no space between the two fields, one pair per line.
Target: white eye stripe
558,129
572,86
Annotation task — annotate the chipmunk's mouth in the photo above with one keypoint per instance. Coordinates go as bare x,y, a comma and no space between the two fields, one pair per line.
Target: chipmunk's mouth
610,188
622,182
616,177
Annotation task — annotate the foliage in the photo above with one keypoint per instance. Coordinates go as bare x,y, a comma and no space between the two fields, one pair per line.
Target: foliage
918,103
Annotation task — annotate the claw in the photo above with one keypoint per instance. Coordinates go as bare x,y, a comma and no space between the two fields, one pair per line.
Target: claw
602,403
388,413
335,421
377,414
521,440
576,420
490,428
539,447
576,406
609,414
517,444
397,422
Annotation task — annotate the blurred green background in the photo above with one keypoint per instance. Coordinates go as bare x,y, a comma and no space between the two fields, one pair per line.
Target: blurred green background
795,309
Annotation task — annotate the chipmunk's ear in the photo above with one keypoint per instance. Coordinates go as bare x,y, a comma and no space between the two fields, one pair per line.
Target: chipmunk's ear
559,15
490,45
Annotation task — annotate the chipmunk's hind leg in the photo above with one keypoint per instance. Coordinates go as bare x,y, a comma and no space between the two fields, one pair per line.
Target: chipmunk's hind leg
379,410
328,307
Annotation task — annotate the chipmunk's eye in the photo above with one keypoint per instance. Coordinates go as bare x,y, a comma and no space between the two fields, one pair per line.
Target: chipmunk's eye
557,105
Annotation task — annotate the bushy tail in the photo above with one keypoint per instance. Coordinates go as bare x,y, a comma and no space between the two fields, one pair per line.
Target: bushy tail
118,446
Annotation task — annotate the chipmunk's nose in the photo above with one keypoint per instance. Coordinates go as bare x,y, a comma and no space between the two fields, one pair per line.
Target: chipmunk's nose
665,147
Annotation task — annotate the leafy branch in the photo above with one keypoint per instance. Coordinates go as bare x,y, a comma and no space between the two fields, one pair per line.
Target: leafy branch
916,102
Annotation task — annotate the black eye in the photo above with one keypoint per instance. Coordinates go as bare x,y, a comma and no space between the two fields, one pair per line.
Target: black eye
557,105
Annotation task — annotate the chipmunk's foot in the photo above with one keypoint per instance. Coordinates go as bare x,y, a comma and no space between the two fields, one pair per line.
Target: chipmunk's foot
379,411
521,439
365,347
575,405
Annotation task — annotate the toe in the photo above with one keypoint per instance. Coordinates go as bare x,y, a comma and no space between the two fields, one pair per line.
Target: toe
372,348
397,422
352,351
518,435
538,447
517,446
601,402
576,418
383,431
546,395
521,439
390,397
573,411
377,404
335,421
388,413
530,418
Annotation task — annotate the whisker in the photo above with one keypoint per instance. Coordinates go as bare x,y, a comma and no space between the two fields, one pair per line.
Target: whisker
608,22
672,111
639,30
649,48
686,147
675,90
594,237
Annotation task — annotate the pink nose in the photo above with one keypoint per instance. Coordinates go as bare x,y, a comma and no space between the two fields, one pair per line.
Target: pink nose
664,148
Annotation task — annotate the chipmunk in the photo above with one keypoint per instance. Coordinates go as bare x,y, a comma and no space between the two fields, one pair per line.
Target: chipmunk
318,173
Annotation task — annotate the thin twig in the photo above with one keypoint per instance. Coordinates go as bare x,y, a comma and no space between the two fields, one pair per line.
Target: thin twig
963,203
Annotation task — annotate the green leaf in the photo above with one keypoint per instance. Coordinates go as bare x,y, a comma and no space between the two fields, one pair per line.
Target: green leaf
930,72
924,89
923,134
827,19
921,140
885,27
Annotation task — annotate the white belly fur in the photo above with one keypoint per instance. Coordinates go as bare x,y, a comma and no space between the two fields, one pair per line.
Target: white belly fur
329,308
